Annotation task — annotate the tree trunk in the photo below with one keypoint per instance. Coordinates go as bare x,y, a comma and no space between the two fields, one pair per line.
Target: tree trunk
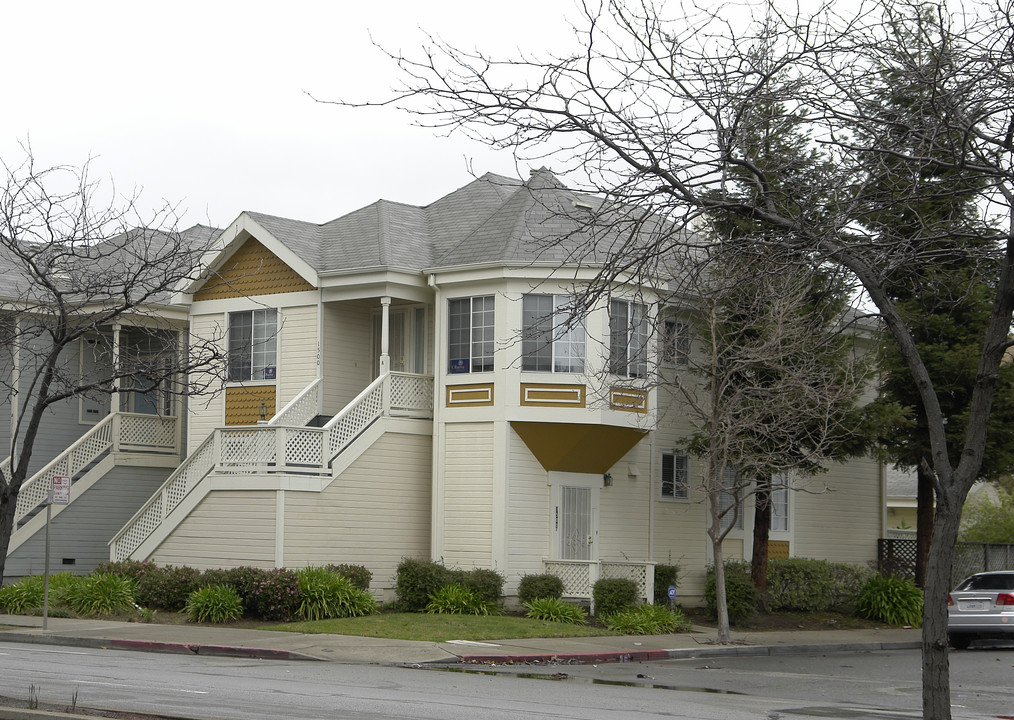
761,531
8,505
721,600
924,521
936,695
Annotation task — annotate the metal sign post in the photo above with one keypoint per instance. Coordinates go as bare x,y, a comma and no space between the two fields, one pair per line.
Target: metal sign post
59,493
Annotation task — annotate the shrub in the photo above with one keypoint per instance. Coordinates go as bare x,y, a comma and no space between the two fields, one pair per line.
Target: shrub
23,596
665,575
167,588
358,575
269,594
892,600
456,599
417,580
485,583
555,610
100,594
131,569
613,595
740,594
647,620
214,604
324,594
534,587
801,584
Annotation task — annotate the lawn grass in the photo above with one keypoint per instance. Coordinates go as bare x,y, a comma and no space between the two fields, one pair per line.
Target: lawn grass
441,628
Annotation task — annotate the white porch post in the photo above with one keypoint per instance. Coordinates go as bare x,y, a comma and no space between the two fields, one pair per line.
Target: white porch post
385,325
114,399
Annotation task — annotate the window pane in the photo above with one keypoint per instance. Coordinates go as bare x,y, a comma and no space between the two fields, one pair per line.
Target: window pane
618,333
674,476
458,316
240,335
537,333
568,347
780,502
483,340
639,341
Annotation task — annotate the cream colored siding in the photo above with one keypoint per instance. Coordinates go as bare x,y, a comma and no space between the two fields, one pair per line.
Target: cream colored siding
297,347
623,508
348,367
468,495
206,411
374,514
227,529
529,512
840,523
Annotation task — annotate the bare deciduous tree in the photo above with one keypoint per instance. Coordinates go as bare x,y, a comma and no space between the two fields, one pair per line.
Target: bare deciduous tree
648,111
83,275
773,388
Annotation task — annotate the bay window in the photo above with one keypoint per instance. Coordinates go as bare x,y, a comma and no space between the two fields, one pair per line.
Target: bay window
551,341
628,339
470,334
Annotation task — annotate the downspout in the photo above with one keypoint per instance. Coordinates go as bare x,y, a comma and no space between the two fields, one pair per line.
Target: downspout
436,480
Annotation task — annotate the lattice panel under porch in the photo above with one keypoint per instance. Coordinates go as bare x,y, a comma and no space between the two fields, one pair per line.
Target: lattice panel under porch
576,577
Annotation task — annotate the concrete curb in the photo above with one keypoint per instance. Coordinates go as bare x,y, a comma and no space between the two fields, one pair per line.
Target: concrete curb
684,653
159,646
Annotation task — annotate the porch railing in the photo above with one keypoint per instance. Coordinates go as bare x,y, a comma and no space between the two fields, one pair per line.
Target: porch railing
580,576
271,448
302,408
118,432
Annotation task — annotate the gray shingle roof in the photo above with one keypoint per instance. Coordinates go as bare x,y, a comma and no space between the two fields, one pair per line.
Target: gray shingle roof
493,219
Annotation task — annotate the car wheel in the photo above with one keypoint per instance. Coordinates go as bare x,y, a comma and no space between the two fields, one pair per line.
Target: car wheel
959,642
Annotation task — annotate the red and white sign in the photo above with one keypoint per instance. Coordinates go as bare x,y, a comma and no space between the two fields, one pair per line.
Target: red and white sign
60,492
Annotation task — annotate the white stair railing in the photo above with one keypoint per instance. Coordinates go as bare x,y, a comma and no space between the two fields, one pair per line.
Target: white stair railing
278,448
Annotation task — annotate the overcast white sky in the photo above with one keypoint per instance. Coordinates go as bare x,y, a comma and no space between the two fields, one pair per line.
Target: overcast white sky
205,104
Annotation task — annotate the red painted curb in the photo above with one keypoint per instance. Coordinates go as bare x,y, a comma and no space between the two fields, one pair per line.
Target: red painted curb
578,658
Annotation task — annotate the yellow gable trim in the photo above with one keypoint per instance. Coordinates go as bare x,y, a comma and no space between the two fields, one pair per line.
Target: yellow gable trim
252,270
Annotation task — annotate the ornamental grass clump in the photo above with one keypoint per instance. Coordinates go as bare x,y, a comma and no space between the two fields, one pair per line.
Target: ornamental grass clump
891,600
100,594
323,594
647,620
22,597
456,599
214,604
555,610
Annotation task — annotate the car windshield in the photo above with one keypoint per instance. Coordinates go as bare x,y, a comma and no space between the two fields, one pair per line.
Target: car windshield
1003,581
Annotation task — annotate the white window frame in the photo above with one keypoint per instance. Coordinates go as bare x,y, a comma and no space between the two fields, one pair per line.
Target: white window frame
677,341
481,331
781,505
551,327
263,343
628,338
678,482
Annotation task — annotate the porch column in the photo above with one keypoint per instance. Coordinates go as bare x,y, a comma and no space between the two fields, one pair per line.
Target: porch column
114,398
385,324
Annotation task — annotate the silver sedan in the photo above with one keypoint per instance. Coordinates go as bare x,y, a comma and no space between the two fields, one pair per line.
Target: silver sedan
981,607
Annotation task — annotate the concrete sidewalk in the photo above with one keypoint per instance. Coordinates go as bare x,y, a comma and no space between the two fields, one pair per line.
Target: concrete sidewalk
204,640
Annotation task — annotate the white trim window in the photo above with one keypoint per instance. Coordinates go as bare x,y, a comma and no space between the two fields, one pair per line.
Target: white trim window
470,334
675,479
676,339
780,502
628,339
253,345
551,340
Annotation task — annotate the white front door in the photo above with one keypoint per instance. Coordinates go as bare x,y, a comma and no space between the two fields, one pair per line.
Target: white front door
576,510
